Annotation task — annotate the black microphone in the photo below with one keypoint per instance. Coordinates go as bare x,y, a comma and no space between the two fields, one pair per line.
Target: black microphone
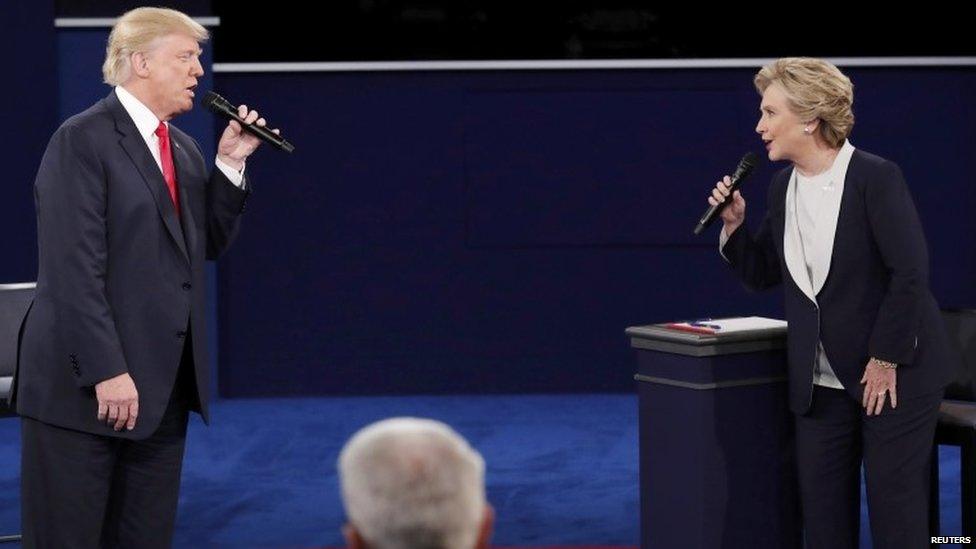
223,107
742,171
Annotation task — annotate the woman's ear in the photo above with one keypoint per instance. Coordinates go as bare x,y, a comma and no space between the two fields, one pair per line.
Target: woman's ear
811,126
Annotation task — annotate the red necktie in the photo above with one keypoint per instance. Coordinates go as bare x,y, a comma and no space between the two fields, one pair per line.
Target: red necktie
166,159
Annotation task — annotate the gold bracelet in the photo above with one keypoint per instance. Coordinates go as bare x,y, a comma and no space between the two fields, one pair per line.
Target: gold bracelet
885,364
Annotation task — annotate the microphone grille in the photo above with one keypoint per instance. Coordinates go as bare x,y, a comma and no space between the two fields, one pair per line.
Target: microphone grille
213,101
750,160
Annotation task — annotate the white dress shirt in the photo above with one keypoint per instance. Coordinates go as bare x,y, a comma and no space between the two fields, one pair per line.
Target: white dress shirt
146,122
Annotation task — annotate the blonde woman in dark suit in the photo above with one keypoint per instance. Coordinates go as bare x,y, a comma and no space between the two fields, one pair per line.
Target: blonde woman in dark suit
867,349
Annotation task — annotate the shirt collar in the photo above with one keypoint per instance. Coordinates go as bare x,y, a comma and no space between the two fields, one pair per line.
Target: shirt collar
838,169
843,157
146,122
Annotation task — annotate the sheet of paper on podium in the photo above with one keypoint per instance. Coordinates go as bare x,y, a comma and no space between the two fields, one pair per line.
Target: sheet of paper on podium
714,329
731,325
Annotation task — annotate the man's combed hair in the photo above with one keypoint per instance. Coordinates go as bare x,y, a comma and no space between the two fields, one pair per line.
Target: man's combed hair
410,483
136,31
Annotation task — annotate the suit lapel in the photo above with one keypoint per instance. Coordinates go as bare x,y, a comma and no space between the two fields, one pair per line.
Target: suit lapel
831,213
182,161
137,151
827,230
792,245
842,194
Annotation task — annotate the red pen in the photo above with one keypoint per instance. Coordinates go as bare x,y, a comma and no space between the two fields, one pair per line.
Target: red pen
689,328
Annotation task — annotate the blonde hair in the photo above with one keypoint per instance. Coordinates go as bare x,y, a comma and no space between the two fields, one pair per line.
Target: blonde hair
815,89
136,30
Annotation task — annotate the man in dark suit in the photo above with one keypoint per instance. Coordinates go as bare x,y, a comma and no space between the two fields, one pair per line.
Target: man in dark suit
113,351
868,353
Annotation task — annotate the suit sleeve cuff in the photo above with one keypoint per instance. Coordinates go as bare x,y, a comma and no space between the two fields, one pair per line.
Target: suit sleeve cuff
235,177
723,239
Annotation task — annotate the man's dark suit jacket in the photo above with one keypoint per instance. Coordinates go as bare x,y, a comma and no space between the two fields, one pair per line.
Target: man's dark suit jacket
875,301
121,277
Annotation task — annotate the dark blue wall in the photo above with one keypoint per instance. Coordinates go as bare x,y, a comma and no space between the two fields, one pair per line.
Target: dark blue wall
496,231
28,116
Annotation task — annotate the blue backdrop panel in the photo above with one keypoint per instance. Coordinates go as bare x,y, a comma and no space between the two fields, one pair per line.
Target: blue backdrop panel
924,120
28,116
590,167
495,231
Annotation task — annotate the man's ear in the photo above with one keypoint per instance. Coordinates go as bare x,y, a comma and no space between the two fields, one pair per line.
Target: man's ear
139,62
487,525
353,539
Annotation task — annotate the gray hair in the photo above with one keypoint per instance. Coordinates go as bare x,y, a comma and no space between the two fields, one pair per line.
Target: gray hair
411,483
136,31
